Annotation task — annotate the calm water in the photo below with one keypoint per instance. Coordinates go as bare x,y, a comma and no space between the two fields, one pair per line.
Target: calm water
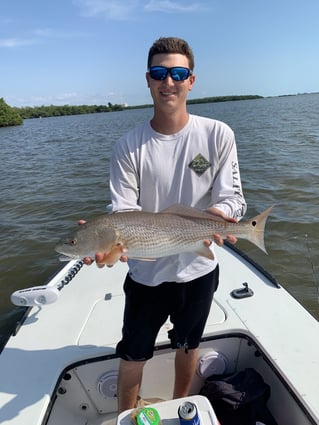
55,171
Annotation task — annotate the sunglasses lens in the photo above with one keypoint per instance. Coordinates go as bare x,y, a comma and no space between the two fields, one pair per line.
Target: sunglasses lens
179,73
158,72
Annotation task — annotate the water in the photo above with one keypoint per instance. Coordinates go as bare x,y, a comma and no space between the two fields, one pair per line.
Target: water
54,171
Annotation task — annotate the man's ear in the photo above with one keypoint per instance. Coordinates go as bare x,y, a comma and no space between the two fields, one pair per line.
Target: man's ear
147,76
192,79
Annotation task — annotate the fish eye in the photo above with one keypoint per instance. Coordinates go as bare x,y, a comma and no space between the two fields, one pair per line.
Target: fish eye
73,242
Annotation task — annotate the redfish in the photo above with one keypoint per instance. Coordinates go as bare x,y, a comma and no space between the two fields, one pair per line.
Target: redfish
147,235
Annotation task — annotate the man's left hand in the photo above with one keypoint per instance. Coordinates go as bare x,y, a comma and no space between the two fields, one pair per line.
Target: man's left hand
217,238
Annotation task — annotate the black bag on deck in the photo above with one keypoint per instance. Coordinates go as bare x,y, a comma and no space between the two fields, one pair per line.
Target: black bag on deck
239,399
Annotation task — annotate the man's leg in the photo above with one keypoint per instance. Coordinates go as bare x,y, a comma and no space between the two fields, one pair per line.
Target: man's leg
189,323
185,368
129,383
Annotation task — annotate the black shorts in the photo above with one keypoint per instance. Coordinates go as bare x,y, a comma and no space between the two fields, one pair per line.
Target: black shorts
148,307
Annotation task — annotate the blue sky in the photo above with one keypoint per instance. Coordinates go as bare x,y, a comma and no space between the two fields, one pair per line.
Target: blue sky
94,51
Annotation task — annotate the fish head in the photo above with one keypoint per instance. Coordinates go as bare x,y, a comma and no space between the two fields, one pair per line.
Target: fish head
87,240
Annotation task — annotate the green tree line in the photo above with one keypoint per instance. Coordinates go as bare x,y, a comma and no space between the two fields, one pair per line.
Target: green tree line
208,100
8,116
15,116
58,111
224,98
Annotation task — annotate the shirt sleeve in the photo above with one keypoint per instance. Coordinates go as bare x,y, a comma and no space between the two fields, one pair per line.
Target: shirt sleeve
227,193
124,180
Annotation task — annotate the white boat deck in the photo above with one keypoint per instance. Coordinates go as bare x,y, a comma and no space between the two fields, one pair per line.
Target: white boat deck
86,322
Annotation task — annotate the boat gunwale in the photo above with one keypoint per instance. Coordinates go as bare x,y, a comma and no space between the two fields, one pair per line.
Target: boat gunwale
249,260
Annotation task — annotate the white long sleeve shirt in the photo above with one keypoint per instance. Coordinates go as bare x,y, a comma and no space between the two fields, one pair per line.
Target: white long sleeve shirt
198,167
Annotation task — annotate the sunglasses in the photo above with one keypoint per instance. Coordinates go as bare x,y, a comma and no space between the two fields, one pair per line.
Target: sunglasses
177,73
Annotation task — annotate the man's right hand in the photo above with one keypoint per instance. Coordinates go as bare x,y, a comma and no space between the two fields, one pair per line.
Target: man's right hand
107,258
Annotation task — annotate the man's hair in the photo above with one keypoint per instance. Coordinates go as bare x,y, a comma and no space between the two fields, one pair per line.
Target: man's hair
170,45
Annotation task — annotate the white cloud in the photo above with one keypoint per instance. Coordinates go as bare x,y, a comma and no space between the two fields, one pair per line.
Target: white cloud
108,9
68,97
169,6
56,33
17,42
130,9
37,37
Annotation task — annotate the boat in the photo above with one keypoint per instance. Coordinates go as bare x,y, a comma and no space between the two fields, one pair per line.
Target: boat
60,366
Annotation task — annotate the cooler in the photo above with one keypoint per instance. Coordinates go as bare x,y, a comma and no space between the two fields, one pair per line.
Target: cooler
168,411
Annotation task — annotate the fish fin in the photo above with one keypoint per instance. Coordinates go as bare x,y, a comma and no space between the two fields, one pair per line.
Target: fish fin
205,252
257,227
63,258
190,212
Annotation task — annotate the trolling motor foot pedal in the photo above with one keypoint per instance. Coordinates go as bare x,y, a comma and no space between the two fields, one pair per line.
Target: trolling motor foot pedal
244,292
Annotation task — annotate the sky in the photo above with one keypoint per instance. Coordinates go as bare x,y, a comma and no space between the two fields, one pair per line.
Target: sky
94,51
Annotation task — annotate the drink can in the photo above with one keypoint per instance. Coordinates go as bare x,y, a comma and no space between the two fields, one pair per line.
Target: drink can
188,414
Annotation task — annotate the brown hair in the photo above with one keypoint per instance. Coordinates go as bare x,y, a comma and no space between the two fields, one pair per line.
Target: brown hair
171,45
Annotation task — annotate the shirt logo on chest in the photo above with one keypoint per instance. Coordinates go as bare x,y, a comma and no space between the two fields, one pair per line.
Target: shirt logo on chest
199,164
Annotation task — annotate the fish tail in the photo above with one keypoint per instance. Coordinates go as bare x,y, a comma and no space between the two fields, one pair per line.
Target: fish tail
257,227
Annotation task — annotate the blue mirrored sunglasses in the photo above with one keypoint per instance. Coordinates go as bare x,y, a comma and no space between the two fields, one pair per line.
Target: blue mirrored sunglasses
177,73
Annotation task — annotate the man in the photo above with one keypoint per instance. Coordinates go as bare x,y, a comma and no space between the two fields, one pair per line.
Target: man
176,158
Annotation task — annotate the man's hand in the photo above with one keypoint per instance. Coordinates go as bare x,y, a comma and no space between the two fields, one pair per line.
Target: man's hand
217,238
116,253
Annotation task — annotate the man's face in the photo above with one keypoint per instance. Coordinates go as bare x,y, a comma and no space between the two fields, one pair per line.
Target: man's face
169,94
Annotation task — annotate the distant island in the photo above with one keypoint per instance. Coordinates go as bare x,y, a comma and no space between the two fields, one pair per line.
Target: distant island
8,116
15,116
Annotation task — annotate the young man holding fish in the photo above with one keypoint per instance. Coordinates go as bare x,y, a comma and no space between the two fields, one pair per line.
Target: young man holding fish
176,158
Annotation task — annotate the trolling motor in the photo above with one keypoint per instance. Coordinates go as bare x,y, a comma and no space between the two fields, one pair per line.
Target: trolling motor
36,296
43,295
